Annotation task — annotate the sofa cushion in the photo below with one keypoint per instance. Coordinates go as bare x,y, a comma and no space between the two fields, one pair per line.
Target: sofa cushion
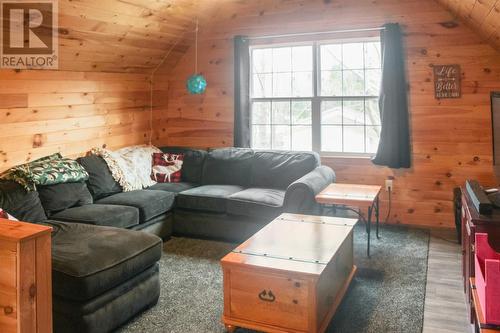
192,164
150,203
105,215
100,183
172,187
229,166
210,198
258,202
23,205
278,169
88,260
56,198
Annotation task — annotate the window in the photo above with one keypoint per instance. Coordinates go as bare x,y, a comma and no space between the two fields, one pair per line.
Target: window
316,96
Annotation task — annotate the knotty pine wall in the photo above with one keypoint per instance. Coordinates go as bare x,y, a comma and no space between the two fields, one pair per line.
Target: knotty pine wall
451,139
43,112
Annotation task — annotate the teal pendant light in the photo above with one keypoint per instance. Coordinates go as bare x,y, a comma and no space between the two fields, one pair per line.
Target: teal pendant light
196,84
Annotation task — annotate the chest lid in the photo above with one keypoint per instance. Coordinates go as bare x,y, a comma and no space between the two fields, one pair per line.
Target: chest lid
299,239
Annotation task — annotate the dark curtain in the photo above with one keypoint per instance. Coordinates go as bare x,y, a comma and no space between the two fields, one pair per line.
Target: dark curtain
242,134
394,146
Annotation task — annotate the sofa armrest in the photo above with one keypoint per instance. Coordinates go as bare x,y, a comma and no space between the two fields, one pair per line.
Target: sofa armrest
300,195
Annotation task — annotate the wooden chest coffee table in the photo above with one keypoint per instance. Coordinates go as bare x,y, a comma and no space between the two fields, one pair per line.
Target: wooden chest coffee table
290,276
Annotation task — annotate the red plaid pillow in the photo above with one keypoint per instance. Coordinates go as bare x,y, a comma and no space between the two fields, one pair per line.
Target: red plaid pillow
167,167
5,215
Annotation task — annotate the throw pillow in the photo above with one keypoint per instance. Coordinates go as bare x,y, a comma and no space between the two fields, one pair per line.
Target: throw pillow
23,205
167,167
49,170
7,216
101,182
56,198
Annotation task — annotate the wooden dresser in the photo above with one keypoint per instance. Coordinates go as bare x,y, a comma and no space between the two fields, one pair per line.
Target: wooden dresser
25,278
473,222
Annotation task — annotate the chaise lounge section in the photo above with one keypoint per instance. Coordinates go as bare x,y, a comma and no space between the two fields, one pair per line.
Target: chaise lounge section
102,276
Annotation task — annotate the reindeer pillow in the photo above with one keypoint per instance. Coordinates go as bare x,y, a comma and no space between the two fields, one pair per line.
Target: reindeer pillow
167,167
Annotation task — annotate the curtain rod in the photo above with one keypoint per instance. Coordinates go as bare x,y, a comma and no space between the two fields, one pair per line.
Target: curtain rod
315,33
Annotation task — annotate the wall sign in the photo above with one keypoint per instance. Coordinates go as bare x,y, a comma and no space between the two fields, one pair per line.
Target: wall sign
447,81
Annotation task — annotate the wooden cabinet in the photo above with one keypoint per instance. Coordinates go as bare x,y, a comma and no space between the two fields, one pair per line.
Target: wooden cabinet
25,278
473,222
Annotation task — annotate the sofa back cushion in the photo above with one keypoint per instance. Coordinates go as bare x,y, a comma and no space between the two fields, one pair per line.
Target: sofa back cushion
100,183
192,165
228,166
56,198
24,206
278,169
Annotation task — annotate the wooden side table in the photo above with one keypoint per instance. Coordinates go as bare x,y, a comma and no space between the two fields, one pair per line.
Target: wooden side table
25,277
344,196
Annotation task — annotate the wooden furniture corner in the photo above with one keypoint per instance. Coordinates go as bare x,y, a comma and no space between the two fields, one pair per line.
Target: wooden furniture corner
25,277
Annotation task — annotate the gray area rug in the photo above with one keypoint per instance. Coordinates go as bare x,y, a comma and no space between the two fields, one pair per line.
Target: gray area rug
386,295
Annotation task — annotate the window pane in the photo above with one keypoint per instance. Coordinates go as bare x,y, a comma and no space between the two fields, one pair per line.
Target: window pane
301,112
353,83
331,112
282,59
331,83
331,138
262,60
302,58
281,113
372,55
352,56
354,139
331,57
372,112
354,112
372,138
261,136
261,113
282,84
301,138
372,85
262,85
281,137
302,85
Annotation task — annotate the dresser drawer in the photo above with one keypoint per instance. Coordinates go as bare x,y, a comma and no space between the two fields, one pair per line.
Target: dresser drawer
274,299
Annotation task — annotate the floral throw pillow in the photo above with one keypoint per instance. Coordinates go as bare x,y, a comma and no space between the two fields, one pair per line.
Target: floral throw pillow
50,170
7,216
167,167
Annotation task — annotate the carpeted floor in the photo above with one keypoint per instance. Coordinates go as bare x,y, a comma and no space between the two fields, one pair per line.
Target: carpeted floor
386,295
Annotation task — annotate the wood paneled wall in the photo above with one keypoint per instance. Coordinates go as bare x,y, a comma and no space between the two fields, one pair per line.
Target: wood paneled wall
451,139
43,112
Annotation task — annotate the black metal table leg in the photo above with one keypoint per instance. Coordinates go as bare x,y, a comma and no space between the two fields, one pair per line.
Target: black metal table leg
377,212
369,223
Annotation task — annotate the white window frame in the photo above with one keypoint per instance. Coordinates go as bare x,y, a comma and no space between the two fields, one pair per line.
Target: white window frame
315,99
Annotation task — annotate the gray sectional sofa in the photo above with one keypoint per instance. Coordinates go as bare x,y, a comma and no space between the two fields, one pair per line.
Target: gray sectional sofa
105,272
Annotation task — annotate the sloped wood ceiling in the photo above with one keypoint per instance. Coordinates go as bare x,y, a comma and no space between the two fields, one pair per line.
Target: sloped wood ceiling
483,16
134,35
126,35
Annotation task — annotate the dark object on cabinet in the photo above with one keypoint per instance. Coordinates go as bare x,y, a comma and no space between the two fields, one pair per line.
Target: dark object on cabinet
477,197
